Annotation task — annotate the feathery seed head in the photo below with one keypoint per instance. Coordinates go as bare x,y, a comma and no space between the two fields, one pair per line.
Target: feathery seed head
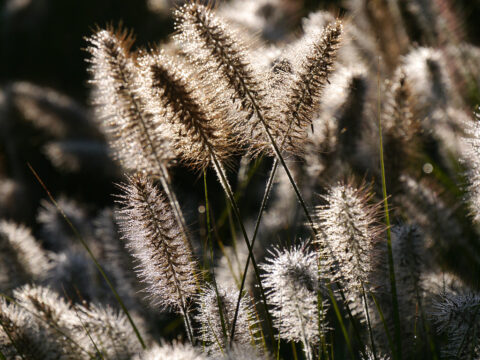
348,232
223,61
176,350
44,302
306,85
109,329
303,95
246,331
23,336
134,134
21,255
292,282
156,241
471,159
197,127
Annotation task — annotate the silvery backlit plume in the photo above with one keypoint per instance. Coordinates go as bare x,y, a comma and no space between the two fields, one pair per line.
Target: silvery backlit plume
357,92
218,51
302,95
198,126
106,331
154,238
23,337
52,314
134,134
176,350
472,162
292,282
22,257
349,232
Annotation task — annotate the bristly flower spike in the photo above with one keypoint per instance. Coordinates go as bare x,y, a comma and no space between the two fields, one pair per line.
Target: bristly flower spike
134,134
350,232
220,55
197,125
303,94
292,281
155,239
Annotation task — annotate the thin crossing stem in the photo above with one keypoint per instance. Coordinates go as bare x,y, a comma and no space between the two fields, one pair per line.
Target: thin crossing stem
226,186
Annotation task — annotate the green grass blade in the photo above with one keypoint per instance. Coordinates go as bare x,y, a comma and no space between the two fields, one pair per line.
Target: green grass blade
340,320
391,267
382,318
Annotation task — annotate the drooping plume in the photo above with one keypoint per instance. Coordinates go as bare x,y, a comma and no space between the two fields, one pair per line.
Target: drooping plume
302,95
155,239
219,53
197,125
134,134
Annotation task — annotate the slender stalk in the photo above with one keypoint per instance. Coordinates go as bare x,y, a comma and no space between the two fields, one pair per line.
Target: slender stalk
226,186
369,324
98,352
257,225
287,170
94,259
209,239
396,313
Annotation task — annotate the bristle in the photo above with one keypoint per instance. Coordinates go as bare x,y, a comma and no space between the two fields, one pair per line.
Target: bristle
155,240
198,129
132,132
